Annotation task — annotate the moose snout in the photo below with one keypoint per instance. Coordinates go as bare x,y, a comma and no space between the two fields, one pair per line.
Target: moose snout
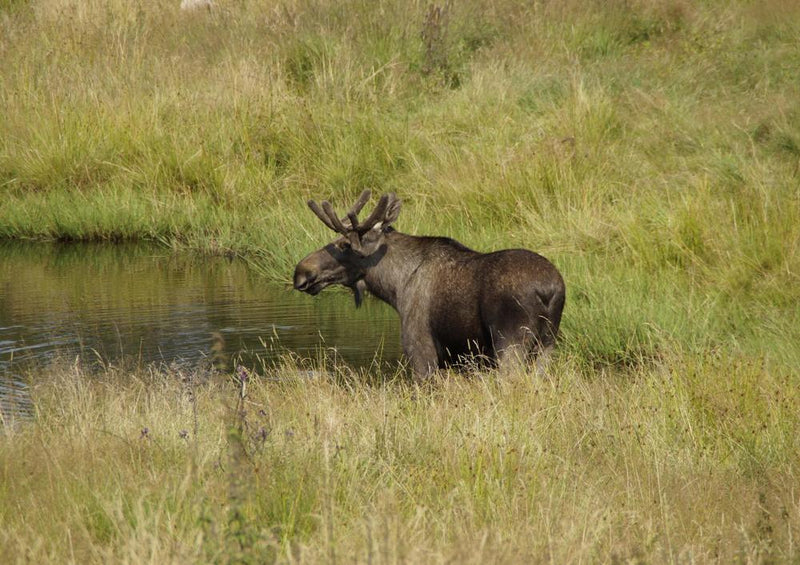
303,279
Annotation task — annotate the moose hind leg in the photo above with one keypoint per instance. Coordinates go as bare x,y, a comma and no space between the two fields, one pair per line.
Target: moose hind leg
512,346
512,358
517,332
548,332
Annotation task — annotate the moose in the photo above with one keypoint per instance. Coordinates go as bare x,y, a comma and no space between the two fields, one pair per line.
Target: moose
454,303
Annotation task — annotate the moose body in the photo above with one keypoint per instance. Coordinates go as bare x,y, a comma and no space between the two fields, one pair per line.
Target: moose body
454,303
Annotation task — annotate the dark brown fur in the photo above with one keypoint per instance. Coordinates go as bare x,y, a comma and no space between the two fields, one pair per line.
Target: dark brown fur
453,302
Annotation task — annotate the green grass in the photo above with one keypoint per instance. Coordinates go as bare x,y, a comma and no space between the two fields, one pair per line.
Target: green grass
650,149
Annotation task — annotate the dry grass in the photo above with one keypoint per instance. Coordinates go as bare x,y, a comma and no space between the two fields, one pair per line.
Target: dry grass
649,465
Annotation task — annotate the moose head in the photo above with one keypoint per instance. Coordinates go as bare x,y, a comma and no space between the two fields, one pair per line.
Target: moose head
360,246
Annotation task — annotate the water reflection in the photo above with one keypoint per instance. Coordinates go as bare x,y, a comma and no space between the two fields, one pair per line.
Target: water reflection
15,402
108,302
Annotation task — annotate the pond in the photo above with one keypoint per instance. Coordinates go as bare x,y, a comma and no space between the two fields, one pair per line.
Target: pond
135,303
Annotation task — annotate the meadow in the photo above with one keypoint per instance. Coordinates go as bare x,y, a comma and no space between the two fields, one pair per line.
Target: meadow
650,149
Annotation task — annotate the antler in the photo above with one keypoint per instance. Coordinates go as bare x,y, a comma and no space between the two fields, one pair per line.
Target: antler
338,226
377,215
321,214
328,215
386,206
360,203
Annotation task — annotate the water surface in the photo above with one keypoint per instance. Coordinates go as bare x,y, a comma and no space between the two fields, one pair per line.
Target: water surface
109,303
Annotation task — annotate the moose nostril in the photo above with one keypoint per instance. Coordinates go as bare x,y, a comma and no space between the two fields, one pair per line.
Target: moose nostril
303,280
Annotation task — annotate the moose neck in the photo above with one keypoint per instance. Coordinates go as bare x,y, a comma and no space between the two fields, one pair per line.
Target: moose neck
386,278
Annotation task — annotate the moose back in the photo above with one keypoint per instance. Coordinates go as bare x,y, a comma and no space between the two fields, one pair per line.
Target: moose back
454,303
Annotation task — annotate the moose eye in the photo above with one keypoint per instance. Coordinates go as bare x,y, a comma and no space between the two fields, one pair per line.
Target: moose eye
345,245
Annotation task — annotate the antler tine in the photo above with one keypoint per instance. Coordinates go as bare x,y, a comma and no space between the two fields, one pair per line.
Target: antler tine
377,214
353,221
321,215
362,199
338,225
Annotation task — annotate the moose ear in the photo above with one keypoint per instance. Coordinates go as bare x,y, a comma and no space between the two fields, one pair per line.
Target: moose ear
392,211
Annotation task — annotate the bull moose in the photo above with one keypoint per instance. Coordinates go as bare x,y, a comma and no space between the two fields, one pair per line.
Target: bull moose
454,303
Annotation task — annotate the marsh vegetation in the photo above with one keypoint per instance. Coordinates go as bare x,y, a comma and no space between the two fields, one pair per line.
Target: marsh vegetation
650,149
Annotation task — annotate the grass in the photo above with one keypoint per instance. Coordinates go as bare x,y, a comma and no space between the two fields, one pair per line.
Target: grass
650,149
668,463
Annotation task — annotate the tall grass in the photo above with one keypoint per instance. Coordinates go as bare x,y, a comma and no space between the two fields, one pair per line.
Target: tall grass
671,463
651,149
